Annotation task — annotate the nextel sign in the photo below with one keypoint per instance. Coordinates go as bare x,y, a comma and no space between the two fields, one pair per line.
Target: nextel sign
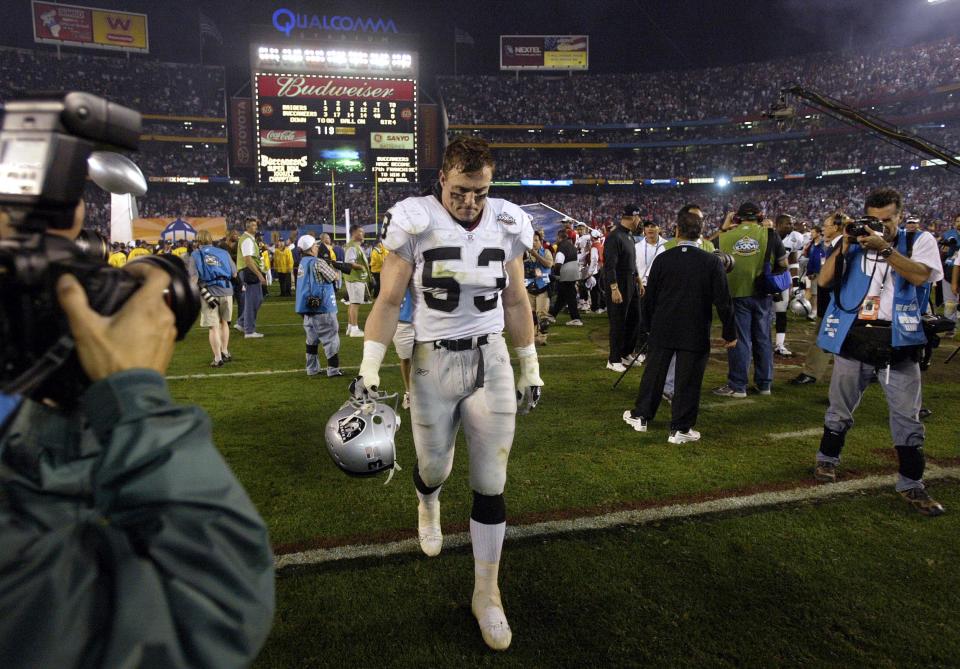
286,21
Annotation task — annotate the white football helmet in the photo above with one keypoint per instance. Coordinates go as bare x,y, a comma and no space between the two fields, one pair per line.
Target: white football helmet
801,306
360,436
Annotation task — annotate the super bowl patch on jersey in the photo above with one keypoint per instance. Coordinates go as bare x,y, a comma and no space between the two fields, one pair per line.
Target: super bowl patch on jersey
507,221
746,246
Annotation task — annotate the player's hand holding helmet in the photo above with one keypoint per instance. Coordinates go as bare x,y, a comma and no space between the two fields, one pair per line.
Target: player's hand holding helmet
529,383
365,385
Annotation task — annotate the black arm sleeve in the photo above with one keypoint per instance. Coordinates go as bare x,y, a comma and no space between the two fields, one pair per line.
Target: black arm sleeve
611,253
723,303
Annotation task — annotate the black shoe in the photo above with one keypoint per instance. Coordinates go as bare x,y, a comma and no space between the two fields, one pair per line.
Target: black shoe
227,357
802,380
924,413
217,363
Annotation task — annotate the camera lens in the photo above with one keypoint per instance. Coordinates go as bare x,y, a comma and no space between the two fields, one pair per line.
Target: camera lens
181,296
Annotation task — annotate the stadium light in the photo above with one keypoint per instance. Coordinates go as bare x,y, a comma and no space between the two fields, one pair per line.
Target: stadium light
723,182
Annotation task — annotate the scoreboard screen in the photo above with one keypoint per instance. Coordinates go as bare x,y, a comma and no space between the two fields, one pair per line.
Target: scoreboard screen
309,126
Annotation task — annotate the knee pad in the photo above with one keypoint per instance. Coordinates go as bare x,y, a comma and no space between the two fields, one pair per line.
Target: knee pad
781,321
912,461
831,443
488,509
422,487
312,349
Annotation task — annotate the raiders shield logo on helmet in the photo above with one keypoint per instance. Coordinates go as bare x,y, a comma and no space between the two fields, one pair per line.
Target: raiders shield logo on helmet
350,427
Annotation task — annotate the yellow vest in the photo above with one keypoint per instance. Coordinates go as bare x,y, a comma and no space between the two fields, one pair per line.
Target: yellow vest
180,251
118,259
283,260
377,254
137,252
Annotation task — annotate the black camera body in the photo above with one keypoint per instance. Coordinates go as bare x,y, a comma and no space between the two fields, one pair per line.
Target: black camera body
862,226
44,145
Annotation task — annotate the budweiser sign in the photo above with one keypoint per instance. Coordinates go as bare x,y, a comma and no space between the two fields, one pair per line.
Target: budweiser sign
334,88
283,139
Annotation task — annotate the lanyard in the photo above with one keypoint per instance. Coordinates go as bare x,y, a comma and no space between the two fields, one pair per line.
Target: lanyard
646,261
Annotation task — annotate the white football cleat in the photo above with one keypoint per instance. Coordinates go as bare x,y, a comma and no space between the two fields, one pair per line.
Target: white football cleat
678,437
428,528
357,332
488,610
783,351
406,401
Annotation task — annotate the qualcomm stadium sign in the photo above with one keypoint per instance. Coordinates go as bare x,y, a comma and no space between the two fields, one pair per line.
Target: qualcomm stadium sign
286,21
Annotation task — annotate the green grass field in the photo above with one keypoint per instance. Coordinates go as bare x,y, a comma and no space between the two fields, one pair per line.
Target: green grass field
855,581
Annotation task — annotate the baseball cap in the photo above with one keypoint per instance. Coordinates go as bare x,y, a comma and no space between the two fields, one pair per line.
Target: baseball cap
631,210
748,210
651,223
306,242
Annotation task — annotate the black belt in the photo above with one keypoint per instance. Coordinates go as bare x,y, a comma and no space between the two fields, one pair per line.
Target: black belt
466,345
461,344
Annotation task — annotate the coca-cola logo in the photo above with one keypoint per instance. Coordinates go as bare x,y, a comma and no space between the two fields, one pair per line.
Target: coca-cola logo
287,139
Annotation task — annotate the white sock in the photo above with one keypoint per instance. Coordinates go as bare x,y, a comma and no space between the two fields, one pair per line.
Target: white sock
487,541
781,336
430,499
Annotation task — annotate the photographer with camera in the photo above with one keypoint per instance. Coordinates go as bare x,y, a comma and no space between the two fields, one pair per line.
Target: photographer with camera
873,324
213,270
536,274
758,251
127,541
317,303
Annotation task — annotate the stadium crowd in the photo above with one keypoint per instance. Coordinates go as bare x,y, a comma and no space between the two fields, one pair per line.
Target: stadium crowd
744,89
149,86
930,194
786,157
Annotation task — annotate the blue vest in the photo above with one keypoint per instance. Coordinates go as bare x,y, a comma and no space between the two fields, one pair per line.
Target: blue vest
8,404
213,266
308,285
406,308
907,301
531,265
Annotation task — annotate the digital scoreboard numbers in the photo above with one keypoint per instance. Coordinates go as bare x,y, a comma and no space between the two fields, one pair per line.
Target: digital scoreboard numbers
309,126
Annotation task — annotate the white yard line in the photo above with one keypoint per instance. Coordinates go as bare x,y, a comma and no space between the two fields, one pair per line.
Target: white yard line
619,518
268,372
813,431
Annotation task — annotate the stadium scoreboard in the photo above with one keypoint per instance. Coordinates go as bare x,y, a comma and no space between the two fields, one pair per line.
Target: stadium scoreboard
350,124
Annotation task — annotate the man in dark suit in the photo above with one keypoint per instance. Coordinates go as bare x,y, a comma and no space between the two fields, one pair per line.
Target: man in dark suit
684,285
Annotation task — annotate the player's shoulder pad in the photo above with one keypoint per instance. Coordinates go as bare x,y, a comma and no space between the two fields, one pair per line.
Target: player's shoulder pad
410,215
514,220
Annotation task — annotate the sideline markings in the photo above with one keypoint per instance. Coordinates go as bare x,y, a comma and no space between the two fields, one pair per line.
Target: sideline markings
811,432
610,520
267,372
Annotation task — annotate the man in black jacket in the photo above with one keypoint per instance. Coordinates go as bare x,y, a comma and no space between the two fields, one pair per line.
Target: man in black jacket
683,286
623,297
567,268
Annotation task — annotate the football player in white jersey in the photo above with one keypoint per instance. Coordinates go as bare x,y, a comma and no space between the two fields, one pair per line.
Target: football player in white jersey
793,243
461,252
